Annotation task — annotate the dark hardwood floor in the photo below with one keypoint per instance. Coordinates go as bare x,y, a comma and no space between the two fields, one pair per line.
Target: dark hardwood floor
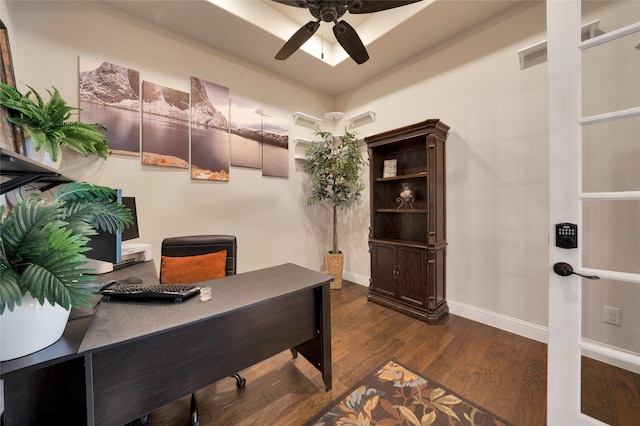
500,371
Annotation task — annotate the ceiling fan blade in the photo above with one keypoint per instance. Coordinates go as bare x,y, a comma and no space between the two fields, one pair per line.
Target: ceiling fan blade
377,5
297,40
350,41
296,3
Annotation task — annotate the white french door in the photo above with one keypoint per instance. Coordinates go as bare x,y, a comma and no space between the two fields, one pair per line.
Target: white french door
594,144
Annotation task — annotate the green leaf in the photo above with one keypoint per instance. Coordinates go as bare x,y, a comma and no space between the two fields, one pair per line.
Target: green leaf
10,293
448,399
448,411
429,418
472,416
408,414
436,393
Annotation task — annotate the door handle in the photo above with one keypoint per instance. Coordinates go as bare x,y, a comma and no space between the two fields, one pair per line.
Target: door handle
564,270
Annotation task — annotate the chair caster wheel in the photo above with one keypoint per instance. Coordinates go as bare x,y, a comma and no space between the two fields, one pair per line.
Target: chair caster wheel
144,420
240,381
194,418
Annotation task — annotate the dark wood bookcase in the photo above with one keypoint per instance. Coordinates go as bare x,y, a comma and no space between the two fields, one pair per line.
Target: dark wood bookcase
407,237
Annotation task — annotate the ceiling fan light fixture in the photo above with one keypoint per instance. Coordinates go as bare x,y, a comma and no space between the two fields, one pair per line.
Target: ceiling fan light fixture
331,11
340,28
355,6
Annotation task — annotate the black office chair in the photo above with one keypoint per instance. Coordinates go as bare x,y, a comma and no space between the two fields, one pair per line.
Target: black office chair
193,246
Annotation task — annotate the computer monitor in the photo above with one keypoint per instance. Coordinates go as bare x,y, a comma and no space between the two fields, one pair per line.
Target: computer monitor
131,231
108,247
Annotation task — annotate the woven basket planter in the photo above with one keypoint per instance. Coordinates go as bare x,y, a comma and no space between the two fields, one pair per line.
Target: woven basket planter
335,265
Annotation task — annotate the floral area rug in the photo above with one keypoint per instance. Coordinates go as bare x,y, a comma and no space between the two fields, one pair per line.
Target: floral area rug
394,395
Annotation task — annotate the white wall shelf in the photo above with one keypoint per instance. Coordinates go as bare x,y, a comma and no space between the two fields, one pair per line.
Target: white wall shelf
539,50
300,149
361,119
305,120
333,115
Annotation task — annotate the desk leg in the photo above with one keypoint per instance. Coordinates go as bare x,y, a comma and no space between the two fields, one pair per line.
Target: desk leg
325,333
88,372
318,350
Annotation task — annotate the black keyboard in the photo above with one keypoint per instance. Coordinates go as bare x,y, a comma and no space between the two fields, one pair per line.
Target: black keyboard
136,292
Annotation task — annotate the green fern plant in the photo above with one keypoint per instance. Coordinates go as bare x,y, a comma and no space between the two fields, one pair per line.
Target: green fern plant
333,165
42,244
49,123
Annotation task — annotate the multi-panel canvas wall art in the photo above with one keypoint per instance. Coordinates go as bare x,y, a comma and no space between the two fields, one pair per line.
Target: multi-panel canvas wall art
165,126
209,131
275,147
205,131
246,134
110,95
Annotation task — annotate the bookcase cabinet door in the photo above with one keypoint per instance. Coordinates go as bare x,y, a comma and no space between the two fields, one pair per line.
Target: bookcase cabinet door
383,270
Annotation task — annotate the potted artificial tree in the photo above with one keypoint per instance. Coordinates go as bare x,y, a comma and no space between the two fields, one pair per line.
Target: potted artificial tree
333,165
42,246
49,124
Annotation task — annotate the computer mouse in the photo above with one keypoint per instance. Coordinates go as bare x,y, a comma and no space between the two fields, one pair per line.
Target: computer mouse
105,285
133,280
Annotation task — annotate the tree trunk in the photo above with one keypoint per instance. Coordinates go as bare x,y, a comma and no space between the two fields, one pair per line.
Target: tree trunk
335,230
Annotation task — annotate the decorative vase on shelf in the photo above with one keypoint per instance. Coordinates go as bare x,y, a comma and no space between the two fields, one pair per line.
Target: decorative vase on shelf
41,156
406,197
30,327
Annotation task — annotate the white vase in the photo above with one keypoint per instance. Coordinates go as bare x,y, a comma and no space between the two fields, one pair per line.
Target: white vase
30,327
41,156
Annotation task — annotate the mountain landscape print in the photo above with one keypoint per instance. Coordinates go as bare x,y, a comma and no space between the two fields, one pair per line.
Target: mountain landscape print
209,131
246,134
165,126
110,95
275,146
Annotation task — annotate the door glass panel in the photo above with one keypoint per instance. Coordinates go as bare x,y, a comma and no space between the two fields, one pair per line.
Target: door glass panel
611,235
610,76
615,294
612,14
610,70
611,155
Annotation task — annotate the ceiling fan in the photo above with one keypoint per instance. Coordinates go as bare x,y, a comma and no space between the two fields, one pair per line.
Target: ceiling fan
331,11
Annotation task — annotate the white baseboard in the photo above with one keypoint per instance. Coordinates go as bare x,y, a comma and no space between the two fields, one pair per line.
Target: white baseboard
356,278
503,322
620,357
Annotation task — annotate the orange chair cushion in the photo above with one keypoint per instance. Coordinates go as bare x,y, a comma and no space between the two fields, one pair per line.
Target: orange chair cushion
191,269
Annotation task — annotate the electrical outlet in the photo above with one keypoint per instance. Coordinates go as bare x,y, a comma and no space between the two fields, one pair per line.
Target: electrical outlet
611,315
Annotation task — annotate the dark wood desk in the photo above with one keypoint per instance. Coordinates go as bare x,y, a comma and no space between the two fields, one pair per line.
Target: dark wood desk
138,357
